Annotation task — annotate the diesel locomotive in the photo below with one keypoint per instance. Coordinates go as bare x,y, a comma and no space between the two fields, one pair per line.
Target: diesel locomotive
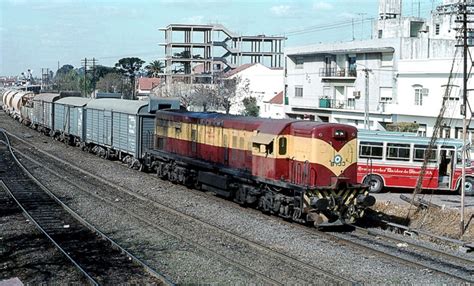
300,170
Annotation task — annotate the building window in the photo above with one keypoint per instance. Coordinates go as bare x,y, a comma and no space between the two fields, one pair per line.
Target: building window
299,62
298,91
351,103
387,60
380,34
437,29
420,92
352,65
385,94
421,130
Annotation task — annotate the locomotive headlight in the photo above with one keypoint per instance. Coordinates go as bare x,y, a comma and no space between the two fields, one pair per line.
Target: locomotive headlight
339,134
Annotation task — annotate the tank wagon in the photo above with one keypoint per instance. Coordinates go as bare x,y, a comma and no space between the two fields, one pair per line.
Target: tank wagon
299,170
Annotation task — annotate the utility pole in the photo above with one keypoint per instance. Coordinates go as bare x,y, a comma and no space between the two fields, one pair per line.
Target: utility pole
464,12
463,112
87,64
366,106
84,62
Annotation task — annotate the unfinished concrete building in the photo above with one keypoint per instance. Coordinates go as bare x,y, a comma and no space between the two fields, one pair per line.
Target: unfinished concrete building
199,53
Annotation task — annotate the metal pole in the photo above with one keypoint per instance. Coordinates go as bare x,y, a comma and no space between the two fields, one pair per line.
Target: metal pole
366,107
464,99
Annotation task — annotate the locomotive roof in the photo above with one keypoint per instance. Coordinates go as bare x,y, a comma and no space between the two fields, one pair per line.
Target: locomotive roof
47,97
119,105
264,125
74,101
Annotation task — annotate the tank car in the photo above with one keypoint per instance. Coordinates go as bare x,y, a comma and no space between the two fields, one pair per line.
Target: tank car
299,170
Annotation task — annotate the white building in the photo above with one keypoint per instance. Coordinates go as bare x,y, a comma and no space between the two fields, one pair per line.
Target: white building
398,76
263,84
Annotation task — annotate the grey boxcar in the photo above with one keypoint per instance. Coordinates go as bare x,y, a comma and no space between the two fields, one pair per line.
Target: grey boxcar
43,115
69,117
124,127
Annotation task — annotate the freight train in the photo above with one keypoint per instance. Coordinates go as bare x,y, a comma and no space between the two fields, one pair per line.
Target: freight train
300,170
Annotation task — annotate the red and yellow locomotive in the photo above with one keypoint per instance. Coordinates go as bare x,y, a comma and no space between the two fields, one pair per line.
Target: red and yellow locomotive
300,170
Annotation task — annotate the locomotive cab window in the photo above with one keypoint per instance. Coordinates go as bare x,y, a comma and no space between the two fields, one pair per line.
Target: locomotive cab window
282,146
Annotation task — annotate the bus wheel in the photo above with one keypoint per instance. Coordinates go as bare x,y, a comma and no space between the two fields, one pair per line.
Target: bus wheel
468,187
375,183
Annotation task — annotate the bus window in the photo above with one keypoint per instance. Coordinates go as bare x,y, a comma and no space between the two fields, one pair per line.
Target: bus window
398,152
419,152
371,150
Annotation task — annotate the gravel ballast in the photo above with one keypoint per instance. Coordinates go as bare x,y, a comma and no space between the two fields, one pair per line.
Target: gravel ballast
189,265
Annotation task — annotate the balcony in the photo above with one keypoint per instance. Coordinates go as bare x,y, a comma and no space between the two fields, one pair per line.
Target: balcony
336,104
337,73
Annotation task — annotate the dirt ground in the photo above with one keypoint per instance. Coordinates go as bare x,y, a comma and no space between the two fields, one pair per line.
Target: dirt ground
443,221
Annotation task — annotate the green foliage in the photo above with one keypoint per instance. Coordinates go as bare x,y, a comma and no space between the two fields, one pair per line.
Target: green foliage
250,106
65,69
403,127
129,67
102,71
155,68
111,82
67,79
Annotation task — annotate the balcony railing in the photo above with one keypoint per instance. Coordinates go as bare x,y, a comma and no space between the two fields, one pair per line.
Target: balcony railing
336,104
337,72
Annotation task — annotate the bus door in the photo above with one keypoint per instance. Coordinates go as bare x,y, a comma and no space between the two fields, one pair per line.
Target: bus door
446,167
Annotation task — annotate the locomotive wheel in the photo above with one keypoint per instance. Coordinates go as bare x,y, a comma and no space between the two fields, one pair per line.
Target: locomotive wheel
375,183
468,187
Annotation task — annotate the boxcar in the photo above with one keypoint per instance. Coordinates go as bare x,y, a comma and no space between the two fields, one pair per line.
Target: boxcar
124,127
69,119
43,115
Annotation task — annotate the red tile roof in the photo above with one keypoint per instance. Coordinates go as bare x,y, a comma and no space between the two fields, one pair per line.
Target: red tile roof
147,83
277,99
238,69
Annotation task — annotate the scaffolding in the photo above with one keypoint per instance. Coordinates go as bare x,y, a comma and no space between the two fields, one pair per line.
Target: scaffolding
198,53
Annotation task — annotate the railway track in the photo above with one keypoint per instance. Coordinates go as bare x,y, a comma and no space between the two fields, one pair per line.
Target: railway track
96,256
266,277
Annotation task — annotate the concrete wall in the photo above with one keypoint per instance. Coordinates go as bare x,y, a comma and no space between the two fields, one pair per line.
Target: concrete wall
264,84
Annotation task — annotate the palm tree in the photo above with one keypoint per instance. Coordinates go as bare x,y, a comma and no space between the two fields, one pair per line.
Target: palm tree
155,68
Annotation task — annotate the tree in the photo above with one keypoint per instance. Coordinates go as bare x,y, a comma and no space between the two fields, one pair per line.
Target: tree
231,91
111,82
102,71
67,79
204,95
64,69
129,67
250,106
155,68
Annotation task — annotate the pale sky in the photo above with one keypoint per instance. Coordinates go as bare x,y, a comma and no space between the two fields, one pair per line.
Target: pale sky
36,34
